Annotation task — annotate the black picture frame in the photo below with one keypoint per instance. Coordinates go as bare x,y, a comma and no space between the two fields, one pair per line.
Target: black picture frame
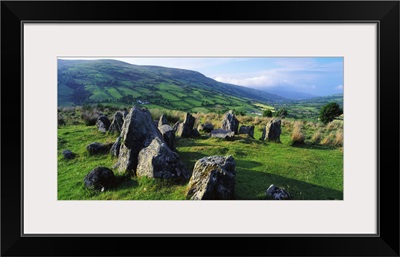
384,13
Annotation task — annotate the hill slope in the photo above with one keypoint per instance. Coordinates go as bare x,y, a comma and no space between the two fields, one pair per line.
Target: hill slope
110,81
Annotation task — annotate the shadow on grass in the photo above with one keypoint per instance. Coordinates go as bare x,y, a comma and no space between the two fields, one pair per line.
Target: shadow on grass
251,185
312,146
123,182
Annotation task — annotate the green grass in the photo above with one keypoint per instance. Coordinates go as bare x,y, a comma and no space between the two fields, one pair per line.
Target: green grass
308,172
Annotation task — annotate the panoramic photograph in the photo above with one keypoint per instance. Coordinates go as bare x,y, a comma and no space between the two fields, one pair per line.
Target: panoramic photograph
248,128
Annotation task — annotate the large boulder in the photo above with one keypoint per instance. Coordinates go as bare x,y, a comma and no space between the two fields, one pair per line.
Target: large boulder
168,135
208,127
185,128
162,121
277,193
213,178
116,124
158,161
115,147
68,154
247,130
229,122
137,133
98,148
272,131
220,133
100,178
103,123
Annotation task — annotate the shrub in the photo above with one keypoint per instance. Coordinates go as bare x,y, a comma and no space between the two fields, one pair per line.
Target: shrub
329,112
267,113
328,140
90,117
339,138
297,135
316,138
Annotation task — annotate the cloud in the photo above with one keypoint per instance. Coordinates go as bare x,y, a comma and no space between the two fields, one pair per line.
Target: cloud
339,87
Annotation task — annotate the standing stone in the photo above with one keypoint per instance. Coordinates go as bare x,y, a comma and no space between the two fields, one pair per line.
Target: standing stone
272,131
168,135
103,123
137,133
229,122
220,133
247,130
117,123
158,161
99,178
208,127
185,129
163,121
115,147
213,178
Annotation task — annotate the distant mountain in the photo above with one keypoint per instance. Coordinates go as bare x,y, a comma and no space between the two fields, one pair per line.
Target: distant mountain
293,95
110,81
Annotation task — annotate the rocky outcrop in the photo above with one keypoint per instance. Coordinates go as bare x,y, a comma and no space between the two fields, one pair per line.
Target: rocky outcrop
115,147
220,133
229,122
158,161
162,121
117,123
213,178
98,148
208,127
272,131
68,154
185,128
277,193
247,130
100,178
103,123
168,135
137,133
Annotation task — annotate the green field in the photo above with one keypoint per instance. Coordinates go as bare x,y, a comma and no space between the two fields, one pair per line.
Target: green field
309,172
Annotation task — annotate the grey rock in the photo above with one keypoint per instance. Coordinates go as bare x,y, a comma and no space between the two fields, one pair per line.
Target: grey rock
116,147
168,135
137,133
213,178
185,129
247,130
175,127
208,127
98,148
162,121
220,133
158,161
272,131
99,178
68,154
117,123
277,193
103,123
229,122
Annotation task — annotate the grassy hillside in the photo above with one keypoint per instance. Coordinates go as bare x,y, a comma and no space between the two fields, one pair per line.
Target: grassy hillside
310,171
109,81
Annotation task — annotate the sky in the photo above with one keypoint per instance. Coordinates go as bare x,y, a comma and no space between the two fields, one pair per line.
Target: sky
317,76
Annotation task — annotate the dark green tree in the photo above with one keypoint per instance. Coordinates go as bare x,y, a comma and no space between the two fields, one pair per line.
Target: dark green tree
267,113
329,112
281,113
